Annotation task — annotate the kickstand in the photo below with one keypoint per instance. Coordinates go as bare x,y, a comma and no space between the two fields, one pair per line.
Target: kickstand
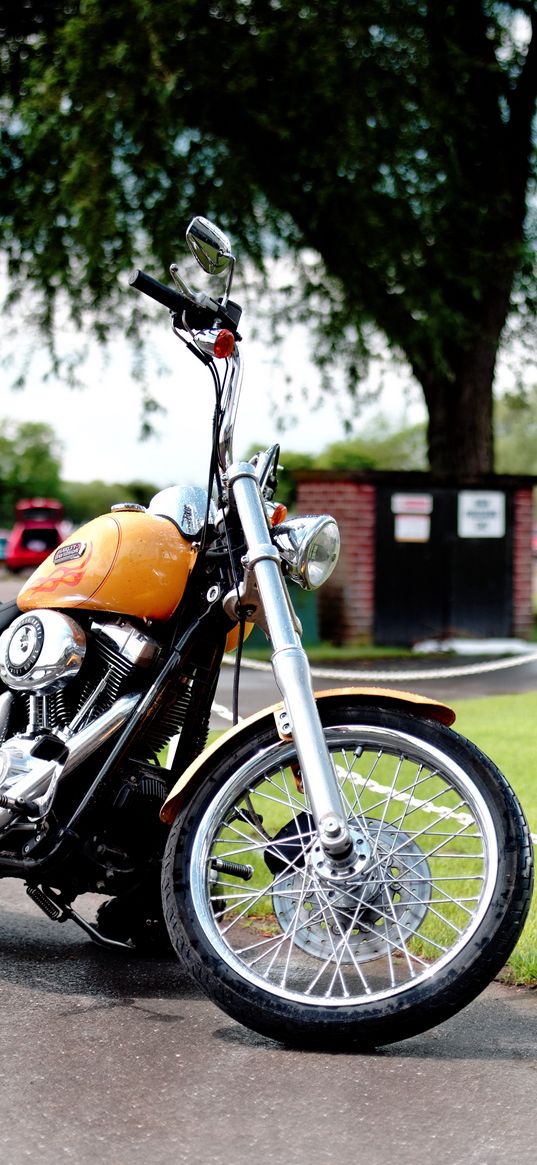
52,904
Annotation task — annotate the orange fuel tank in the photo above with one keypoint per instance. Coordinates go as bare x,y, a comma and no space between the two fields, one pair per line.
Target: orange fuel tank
132,562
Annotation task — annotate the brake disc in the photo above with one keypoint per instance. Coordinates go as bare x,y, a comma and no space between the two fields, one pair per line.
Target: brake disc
365,918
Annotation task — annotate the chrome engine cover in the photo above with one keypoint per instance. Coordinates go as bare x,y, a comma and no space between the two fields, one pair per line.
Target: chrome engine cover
41,651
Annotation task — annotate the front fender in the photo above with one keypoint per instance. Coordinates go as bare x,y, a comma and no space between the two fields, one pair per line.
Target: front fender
227,742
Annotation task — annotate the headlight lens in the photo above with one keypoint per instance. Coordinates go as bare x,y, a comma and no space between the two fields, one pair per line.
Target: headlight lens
310,547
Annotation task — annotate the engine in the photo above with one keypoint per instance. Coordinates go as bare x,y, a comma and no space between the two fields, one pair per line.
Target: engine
68,687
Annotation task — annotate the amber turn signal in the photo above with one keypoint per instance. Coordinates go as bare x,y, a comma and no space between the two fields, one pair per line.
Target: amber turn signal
224,344
279,514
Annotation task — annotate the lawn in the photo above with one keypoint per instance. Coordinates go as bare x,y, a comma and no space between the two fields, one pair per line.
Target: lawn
505,727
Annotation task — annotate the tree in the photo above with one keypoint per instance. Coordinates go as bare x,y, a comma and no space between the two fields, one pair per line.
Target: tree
516,432
393,140
30,463
394,449
85,500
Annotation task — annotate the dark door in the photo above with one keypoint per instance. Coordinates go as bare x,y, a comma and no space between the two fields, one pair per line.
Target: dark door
431,582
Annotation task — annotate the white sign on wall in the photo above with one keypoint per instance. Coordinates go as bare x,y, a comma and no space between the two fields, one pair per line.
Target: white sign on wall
412,503
412,521
412,528
481,514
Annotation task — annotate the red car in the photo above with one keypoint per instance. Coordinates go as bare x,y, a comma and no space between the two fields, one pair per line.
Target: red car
39,528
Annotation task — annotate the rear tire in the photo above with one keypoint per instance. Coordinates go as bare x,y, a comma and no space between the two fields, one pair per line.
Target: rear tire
427,919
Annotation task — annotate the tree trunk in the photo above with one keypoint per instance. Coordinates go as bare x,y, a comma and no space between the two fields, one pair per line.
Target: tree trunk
460,405
460,427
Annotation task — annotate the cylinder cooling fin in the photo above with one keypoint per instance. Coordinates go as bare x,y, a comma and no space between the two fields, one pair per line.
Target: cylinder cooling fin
41,651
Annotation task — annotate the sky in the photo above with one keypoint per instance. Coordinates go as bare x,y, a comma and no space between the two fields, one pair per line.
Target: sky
99,426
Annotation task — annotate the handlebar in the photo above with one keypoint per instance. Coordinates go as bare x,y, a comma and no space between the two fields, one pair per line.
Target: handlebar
167,296
196,315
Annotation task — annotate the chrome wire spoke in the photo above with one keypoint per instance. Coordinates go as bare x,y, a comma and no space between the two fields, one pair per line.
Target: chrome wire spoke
427,806
320,914
252,817
404,795
396,921
284,791
251,848
345,777
394,946
410,934
255,897
436,850
256,894
279,940
345,945
333,964
446,901
291,934
431,853
442,917
255,847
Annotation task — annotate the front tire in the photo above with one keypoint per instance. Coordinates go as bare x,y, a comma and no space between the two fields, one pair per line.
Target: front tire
429,915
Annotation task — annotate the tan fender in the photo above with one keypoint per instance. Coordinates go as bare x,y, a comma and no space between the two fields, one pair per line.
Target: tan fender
382,697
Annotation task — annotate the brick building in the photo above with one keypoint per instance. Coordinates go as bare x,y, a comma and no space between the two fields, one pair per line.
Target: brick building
421,559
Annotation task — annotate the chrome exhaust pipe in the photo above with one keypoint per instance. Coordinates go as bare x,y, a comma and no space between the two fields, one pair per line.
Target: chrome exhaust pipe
99,731
30,778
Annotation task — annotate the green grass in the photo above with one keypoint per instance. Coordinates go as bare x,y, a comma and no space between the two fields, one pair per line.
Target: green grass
505,727
256,647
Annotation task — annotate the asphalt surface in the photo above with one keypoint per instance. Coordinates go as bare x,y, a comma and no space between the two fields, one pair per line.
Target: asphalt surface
257,688
117,1060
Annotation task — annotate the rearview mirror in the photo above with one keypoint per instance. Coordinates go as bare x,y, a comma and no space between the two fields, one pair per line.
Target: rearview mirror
209,245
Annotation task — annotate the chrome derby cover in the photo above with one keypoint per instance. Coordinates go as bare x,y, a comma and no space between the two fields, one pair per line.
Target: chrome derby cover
41,651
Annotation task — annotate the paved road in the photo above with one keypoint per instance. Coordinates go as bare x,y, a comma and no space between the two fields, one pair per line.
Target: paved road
258,688
113,1060
106,1060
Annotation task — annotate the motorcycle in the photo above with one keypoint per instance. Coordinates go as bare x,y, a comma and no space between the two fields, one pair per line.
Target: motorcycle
339,870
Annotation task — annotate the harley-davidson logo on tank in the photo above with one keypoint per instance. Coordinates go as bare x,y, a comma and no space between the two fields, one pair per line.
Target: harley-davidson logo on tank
68,551
135,563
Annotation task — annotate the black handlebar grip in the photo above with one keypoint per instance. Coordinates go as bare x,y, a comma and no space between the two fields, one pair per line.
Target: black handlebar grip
167,296
195,315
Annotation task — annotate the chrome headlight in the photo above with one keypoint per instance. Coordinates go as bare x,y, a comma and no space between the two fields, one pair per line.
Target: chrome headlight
310,547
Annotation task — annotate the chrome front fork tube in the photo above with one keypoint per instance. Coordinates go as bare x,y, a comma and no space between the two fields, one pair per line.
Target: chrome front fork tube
291,667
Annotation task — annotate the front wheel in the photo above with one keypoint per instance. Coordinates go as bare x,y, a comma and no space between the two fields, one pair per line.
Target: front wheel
424,920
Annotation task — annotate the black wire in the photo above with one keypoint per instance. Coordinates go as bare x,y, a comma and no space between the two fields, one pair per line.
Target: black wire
237,671
213,462
216,477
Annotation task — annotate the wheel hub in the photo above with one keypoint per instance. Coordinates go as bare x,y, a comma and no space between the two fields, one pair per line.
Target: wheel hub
347,871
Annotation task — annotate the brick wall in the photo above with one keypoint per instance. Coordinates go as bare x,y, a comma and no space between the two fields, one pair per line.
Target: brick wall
522,563
346,602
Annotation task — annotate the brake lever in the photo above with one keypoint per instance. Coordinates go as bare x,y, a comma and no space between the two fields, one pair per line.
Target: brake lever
180,283
267,466
199,298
